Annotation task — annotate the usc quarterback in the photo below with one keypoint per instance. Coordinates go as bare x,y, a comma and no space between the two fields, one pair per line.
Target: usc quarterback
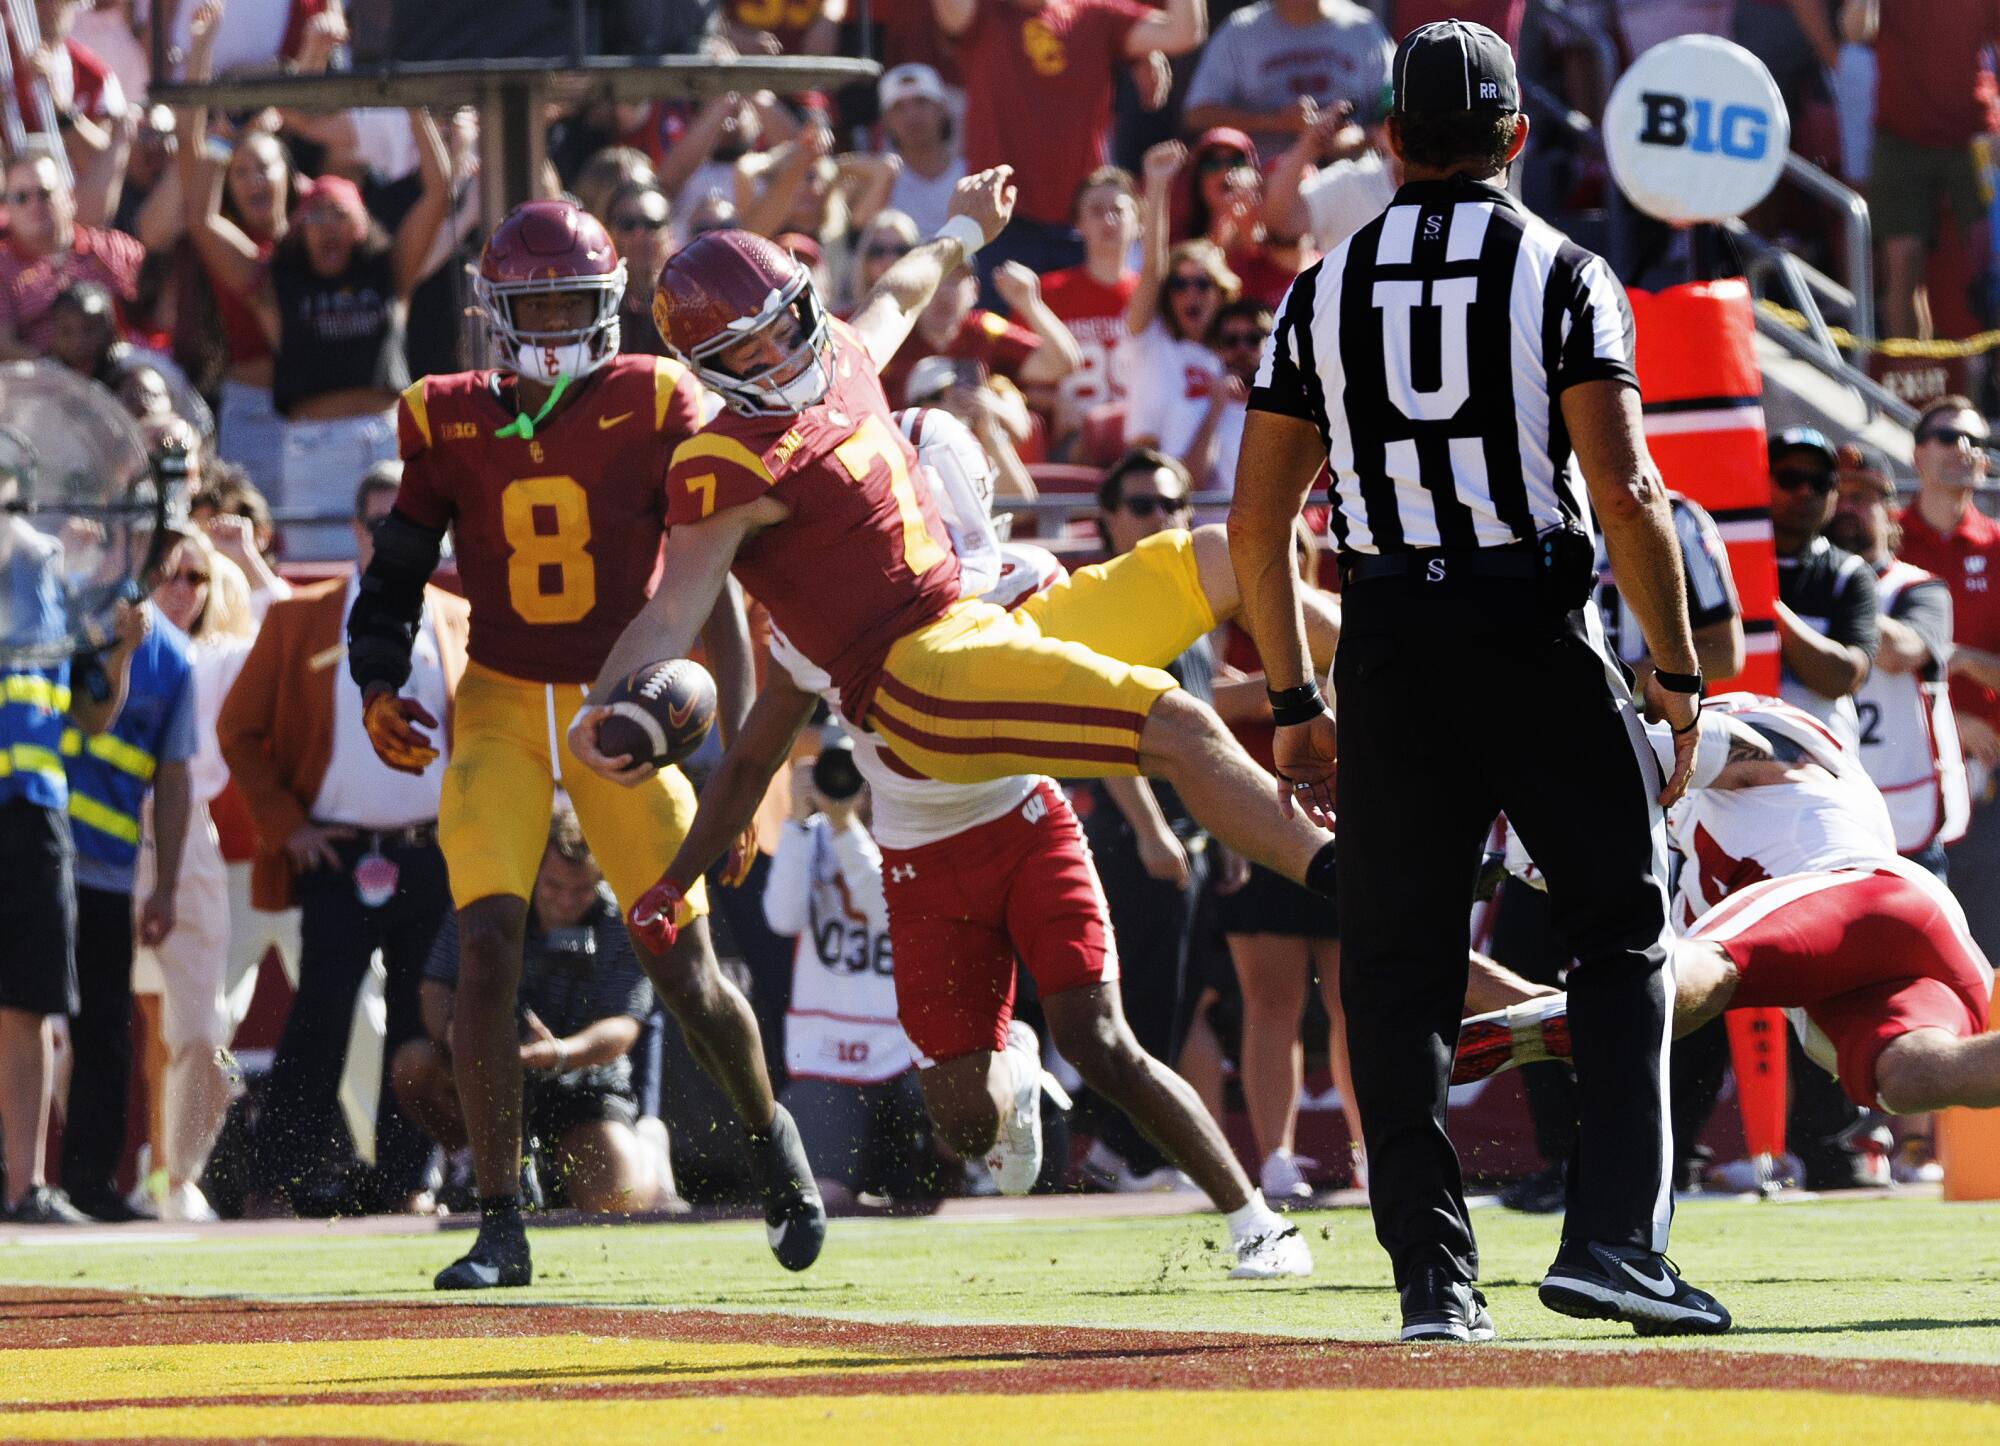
549,472
804,489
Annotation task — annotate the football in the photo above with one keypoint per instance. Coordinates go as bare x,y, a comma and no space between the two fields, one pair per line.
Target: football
659,714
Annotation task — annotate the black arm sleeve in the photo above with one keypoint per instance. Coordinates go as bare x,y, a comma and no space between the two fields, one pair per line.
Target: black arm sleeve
382,628
1854,609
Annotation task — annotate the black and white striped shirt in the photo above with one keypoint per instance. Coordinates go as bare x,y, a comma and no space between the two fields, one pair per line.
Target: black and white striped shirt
1431,349
1711,590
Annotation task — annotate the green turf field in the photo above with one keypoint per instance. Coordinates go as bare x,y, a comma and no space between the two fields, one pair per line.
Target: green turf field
1911,1279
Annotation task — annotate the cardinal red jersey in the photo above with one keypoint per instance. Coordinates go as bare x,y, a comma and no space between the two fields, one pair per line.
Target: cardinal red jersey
558,535
863,558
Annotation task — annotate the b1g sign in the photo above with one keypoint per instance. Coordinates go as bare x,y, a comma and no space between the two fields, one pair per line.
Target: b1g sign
1696,131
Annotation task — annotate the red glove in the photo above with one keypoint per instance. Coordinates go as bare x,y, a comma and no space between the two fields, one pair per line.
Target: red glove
655,918
388,720
742,855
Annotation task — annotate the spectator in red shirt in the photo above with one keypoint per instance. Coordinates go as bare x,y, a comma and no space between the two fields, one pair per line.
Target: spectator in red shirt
953,325
1220,196
1046,70
1926,114
1091,299
47,249
1944,534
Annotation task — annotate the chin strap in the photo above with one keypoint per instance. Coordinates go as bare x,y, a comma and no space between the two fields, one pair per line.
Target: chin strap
523,426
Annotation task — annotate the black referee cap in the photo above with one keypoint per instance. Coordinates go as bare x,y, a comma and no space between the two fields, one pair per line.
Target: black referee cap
1454,65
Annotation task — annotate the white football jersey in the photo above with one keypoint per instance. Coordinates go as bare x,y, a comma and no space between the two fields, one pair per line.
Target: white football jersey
1832,817
911,811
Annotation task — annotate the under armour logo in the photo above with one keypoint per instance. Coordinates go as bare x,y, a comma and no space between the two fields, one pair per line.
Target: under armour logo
1034,808
902,873
1434,570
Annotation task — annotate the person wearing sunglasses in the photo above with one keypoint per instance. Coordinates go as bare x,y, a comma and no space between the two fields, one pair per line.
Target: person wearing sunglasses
1946,533
1219,194
1826,612
639,218
48,246
888,237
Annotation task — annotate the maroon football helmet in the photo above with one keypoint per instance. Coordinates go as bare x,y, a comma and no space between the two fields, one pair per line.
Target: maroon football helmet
540,248
723,288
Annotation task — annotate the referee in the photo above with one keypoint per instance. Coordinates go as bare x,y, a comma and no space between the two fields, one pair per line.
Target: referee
1444,363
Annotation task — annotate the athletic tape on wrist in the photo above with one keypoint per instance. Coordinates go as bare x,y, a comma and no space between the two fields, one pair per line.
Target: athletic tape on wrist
964,230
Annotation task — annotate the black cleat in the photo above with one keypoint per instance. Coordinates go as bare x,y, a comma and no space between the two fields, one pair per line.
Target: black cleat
1542,1193
498,1257
1621,1282
794,1215
1439,1307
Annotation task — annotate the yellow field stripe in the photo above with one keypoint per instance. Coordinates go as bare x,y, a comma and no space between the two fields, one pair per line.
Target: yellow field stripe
1463,1417
219,1369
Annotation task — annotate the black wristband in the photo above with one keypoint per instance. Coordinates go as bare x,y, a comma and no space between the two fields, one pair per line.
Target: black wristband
1290,706
1679,682
1693,723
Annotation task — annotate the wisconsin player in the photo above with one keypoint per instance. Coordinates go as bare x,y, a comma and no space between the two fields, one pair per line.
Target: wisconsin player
978,874
1792,896
549,473
803,488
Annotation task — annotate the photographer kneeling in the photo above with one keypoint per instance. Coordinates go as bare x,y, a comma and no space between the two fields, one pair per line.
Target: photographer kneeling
583,999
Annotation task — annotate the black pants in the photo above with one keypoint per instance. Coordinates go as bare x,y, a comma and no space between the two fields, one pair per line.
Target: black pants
300,1128
1153,922
1456,701
100,1038
1526,941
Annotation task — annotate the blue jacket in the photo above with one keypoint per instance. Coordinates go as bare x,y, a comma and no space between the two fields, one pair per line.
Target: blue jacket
111,772
34,702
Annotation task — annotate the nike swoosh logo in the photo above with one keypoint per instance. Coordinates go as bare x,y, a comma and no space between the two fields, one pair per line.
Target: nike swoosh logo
605,424
678,715
484,1274
776,1233
1662,1287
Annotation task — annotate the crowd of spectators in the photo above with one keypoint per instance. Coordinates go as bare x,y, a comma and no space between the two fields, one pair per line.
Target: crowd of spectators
254,289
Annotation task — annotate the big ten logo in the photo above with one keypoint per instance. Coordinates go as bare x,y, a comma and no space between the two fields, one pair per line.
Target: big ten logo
1740,132
1043,48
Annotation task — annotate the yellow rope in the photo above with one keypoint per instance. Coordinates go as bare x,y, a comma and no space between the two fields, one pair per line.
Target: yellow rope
1898,346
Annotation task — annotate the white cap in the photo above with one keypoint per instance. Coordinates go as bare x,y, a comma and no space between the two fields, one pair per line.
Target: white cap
911,80
931,375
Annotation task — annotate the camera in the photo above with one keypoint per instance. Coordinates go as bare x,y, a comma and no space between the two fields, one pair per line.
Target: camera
835,774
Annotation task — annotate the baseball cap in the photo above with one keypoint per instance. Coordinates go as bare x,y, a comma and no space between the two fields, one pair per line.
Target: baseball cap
930,376
1801,439
1859,461
1454,65
911,80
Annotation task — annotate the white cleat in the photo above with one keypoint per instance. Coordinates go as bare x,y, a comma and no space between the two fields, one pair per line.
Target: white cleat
186,1204
1275,1255
1015,1161
1283,1177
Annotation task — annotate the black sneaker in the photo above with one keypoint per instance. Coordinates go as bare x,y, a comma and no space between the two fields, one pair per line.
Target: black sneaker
498,1257
1621,1282
45,1205
1539,1194
794,1215
1438,1306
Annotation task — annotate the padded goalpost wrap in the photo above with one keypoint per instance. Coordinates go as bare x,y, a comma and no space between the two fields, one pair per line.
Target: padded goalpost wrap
1703,397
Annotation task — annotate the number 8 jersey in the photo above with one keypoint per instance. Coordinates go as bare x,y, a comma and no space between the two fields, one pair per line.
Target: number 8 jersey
558,534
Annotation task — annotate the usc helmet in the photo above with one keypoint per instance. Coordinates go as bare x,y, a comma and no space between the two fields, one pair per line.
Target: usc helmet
545,247
723,288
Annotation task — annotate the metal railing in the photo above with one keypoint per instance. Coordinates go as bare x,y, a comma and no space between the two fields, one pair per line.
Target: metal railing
1858,237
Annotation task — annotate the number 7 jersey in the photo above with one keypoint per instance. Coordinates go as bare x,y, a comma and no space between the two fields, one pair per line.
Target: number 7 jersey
863,558
558,535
